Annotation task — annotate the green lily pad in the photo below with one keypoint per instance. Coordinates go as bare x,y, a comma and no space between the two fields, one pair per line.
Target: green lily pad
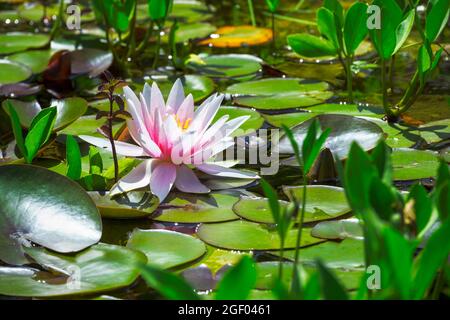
131,205
411,164
46,208
244,235
267,273
279,93
186,32
436,131
189,11
166,249
220,183
339,230
344,131
293,119
17,42
215,258
102,267
184,208
34,11
252,124
398,135
88,125
13,72
36,60
323,203
68,111
239,67
348,254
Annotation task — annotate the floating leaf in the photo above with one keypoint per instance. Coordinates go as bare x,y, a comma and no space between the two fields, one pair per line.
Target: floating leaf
411,164
135,204
238,36
279,93
68,111
215,207
243,235
344,131
186,32
338,230
36,60
237,66
166,249
253,123
58,214
17,42
102,267
13,72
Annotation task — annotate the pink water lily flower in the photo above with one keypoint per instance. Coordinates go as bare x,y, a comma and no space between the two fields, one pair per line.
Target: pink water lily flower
173,139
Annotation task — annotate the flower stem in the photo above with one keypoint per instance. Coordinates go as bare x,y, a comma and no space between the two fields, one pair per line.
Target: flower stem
390,115
280,265
111,138
251,12
300,227
349,61
273,29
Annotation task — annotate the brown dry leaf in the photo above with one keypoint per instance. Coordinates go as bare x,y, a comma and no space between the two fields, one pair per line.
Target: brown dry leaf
238,36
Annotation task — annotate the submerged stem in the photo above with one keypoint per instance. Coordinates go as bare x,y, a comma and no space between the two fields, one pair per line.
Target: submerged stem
158,47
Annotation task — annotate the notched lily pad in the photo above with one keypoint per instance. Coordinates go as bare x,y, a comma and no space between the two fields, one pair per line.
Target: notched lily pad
236,66
279,93
244,235
46,208
183,208
101,268
166,249
12,72
130,205
68,111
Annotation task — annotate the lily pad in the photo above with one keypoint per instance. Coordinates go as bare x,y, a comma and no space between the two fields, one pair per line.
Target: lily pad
166,249
339,230
436,131
13,72
344,131
186,32
244,235
189,11
236,66
238,36
68,111
293,119
411,164
348,254
46,208
102,267
88,125
279,93
90,61
17,42
131,205
397,135
252,124
215,207
36,60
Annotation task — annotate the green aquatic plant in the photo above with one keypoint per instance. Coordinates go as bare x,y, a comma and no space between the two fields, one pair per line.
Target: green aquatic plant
396,225
389,38
341,35
273,6
38,134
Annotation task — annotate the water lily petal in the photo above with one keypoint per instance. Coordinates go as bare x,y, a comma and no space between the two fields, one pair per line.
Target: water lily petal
176,96
122,148
188,182
157,104
138,178
216,170
147,93
232,125
135,106
213,130
162,179
186,111
202,120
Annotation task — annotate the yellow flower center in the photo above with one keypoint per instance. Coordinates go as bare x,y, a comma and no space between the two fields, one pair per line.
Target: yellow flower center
183,124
